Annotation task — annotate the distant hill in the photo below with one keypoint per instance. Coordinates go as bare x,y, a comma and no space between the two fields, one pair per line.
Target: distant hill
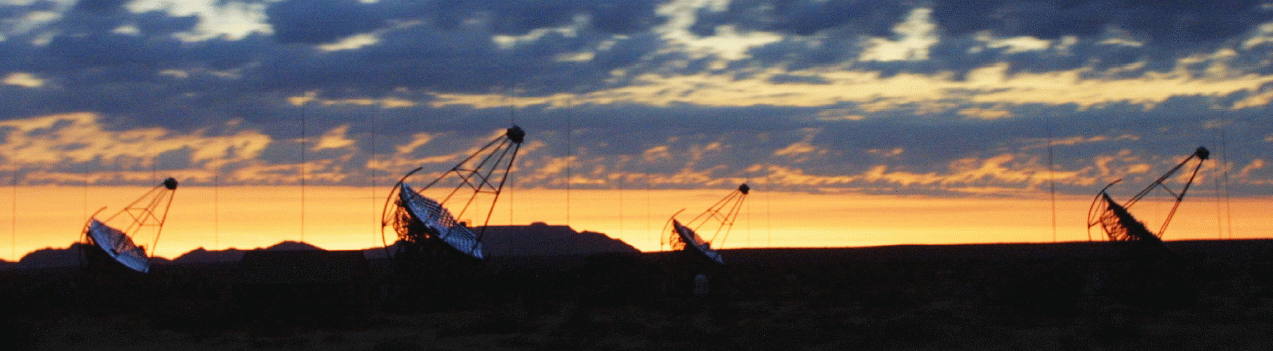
536,239
292,246
202,255
51,257
540,239
70,256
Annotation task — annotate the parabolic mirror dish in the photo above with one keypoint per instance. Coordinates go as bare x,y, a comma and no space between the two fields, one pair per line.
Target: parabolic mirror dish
118,246
691,239
721,215
1116,220
440,222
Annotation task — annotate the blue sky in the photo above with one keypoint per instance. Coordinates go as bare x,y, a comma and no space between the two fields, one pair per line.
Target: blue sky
941,98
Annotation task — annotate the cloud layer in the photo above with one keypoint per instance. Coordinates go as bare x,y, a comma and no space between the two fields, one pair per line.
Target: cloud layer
983,98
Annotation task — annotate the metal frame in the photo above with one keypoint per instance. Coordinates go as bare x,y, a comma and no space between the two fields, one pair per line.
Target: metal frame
418,219
143,212
725,212
1118,223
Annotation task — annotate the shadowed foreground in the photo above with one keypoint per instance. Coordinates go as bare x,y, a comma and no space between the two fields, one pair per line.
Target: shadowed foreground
1020,296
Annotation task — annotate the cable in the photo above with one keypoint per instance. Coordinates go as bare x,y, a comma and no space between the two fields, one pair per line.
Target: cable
570,131
303,170
374,217
13,225
1052,182
216,205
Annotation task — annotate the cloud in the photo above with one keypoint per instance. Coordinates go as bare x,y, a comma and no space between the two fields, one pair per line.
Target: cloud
74,143
334,139
925,97
25,80
916,35
321,22
1187,22
807,17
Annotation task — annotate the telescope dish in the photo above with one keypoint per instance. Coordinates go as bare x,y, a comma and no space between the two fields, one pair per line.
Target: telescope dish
118,246
1118,223
148,212
424,222
722,215
691,241
437,221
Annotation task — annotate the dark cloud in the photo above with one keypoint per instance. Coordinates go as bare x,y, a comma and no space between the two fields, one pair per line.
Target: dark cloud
803,53
93,16
1042,19
1168,30
155,23
452,61
175,159
100,6
108,50
318,22
624,17
1158,34
795,78
297,21
519,17
421,58
446,56
806,17
1176,23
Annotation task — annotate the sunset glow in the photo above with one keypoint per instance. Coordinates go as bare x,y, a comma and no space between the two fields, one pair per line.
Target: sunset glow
858,123
345,218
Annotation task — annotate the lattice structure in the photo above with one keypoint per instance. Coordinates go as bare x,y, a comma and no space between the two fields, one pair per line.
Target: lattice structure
721,215
148,212
423,222
1118,223
419,220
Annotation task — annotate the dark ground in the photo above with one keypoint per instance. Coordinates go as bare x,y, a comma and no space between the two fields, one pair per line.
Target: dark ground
1209,295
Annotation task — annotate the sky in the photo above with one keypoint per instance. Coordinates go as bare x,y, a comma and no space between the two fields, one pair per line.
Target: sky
914,100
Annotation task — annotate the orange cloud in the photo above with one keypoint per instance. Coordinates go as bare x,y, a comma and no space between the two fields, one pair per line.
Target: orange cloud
38,142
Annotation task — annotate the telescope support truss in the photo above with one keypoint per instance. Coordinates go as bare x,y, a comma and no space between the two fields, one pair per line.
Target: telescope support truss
1117,222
